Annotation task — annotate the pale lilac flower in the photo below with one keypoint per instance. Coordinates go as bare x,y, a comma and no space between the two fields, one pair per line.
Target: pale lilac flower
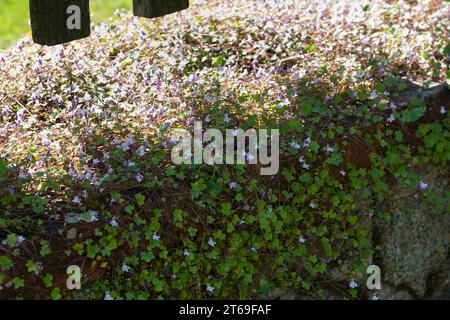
23,176
209,98
352,284
113,223
128,164
443,110
76,200
156,237
294,145
20,240
108,297
301,240
139,177
35,97
301,159
127,144
209,288
92,216
11,190
226,118
423,185
307,142
6,111
140,151
391,118
312,205
110,73
306,166
375,297
232,185
186,253
125,268
373,94
330,149
343,173
211,242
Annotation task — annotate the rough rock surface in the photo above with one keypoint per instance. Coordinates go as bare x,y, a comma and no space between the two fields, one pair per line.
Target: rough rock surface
416,241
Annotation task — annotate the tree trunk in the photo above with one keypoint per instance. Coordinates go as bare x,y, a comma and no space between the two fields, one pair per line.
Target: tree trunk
158,8
52,22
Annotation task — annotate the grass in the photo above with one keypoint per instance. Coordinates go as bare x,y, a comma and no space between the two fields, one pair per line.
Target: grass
14,17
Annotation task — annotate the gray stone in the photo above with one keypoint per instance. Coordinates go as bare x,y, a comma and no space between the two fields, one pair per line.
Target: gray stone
71,234
418,90
388,292
417,238
439,283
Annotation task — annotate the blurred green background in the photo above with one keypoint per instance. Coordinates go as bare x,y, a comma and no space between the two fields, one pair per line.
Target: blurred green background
14,17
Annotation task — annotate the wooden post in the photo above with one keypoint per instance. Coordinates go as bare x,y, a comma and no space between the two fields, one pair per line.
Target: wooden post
59,21
158,8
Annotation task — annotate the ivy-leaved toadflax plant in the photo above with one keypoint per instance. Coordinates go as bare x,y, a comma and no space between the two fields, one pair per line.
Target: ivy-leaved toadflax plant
59,21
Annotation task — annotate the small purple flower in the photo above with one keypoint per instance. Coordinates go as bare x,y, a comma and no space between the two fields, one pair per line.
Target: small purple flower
6,111
11,190
156,237
113,223
139,177
232,185
391,118
108,297
23,176
211,242
330,149
35,97
307,142
20,240
373,95
375,297
127,144
352,284
294,145
76,200
423,185
140,151
92,216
